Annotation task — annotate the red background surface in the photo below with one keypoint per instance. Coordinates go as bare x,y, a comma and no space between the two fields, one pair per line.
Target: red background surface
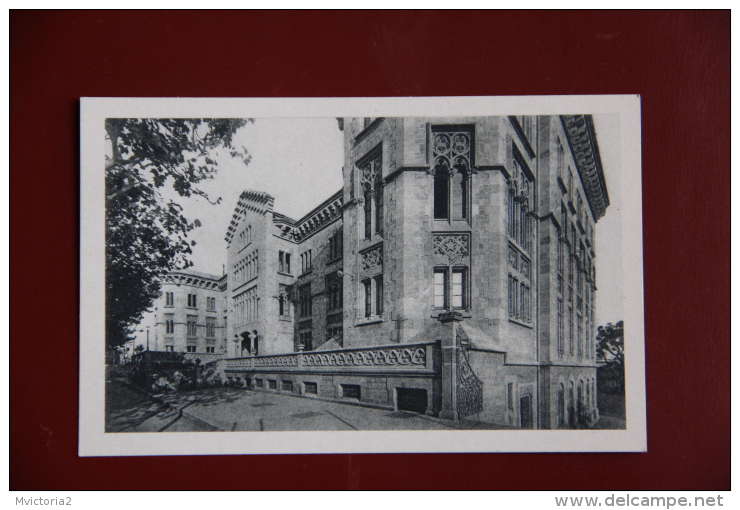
677,61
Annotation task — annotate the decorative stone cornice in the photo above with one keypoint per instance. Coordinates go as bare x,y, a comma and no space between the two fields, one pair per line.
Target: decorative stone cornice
193,279
255,201
582,139
326,213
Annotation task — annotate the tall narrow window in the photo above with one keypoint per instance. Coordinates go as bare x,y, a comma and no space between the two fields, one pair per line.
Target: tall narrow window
570,182
371,182
459,195
561,326
169,323
368,206
520,200
333,292
458,288
561,407
368,297
512,296
306,307
169,299
335,245
464,186
378,206
440,288
522,314
441,196
379,294
570,329
561,162
306,263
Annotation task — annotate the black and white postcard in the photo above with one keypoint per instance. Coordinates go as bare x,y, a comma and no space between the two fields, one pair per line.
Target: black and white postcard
450,274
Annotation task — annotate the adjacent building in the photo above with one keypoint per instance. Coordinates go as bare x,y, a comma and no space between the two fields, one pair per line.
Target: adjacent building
190,314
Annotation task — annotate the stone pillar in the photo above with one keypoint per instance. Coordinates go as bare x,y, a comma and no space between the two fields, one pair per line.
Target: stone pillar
449,365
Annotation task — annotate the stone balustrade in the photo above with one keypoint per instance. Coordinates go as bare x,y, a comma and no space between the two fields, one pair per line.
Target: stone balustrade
177,357
396,357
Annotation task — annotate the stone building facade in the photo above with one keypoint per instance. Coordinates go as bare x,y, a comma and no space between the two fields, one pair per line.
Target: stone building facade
474,234
285,287
190,314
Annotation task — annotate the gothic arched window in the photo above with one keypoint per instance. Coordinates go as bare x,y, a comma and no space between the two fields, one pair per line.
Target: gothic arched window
451,166
521,203
371,181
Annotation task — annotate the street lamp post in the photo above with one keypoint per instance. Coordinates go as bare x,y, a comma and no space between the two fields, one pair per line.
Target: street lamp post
147,339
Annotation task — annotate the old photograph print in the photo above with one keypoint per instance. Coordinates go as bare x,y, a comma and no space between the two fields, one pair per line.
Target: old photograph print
440,276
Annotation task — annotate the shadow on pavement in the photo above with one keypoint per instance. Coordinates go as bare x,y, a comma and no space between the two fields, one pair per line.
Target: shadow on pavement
204,398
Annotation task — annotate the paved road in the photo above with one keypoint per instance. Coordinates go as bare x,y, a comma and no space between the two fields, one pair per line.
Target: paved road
240,410
128,410
228,409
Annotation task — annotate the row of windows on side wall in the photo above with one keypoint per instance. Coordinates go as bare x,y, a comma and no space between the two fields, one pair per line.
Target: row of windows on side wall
334,298
192,301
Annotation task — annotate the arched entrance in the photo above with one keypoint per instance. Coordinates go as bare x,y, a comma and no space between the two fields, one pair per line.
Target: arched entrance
249,345
246,344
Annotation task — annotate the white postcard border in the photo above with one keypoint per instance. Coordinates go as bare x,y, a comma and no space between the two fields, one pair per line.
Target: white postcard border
94,441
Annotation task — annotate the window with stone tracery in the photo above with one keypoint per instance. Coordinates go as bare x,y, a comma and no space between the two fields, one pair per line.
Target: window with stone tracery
521,200
169,323
371,182
452,165
283,302
192,324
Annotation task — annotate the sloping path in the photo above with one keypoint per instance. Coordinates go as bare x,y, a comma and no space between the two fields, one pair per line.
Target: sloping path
244,410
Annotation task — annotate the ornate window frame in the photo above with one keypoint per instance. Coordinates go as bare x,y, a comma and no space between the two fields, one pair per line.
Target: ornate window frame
451,155
371,196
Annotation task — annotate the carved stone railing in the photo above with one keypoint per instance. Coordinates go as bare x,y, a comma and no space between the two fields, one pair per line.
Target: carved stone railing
396,357
177,357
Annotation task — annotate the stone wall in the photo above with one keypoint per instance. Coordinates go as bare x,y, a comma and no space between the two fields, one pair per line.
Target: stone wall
362,376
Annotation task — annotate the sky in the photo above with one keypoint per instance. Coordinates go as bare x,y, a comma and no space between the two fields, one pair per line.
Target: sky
609,269
299,162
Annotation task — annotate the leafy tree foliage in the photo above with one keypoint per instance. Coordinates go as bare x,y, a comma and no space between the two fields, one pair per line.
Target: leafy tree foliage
151,161
610,348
